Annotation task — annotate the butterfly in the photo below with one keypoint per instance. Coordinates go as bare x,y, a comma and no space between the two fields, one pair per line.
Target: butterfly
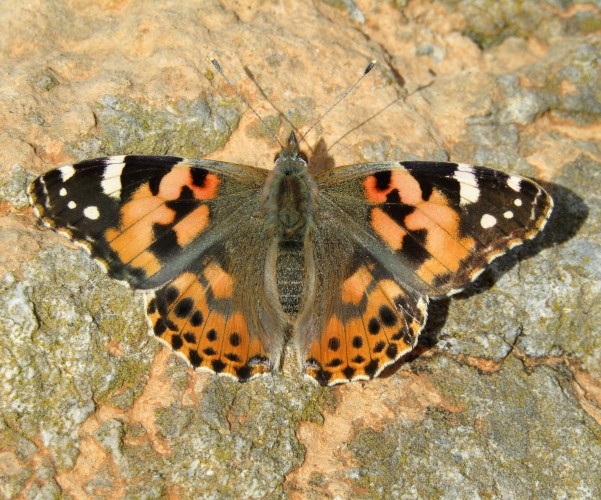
238,261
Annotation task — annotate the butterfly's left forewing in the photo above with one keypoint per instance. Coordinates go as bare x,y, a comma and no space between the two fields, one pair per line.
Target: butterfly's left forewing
442,222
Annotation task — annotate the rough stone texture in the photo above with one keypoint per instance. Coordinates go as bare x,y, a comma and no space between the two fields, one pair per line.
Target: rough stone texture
503,396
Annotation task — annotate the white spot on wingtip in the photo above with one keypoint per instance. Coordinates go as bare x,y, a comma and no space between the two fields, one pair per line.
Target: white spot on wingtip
72,205
508,214
115,159
514,182
91,213
517,202
111,177
62,192
468,184
487,221
66,172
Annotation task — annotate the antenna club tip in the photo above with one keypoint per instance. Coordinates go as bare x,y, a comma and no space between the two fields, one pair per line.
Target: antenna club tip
215,63
370,66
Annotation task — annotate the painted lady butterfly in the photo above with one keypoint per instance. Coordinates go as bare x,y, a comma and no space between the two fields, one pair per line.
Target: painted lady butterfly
242,260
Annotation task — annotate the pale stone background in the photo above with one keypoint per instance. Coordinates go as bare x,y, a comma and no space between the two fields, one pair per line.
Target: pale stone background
503,397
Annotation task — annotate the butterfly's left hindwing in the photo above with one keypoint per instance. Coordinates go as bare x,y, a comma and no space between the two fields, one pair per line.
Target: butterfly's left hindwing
177,226
359,318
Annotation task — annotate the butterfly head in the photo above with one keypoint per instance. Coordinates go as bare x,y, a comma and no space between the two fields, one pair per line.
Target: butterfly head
291,159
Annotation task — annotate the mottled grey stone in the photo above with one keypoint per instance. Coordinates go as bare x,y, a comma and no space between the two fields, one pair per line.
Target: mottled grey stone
489,22
519,106
54,326
571,293
110,436
13,188
517,433
190,129
576,62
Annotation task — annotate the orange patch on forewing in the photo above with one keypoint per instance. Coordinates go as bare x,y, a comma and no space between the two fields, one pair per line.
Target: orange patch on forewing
409,189
434,214
221,283
209,190
147,261
372,193
443,241
388,229
192,225
135,233
144,210
144,204
172,183
354,287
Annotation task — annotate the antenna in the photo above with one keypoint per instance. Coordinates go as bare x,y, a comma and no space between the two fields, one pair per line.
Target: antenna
243,99
369,67
217,66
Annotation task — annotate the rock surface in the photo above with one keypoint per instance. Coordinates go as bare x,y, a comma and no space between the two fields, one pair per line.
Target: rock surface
502,398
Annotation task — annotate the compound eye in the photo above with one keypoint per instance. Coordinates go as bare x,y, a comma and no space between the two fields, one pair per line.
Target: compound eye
277,157
303,157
